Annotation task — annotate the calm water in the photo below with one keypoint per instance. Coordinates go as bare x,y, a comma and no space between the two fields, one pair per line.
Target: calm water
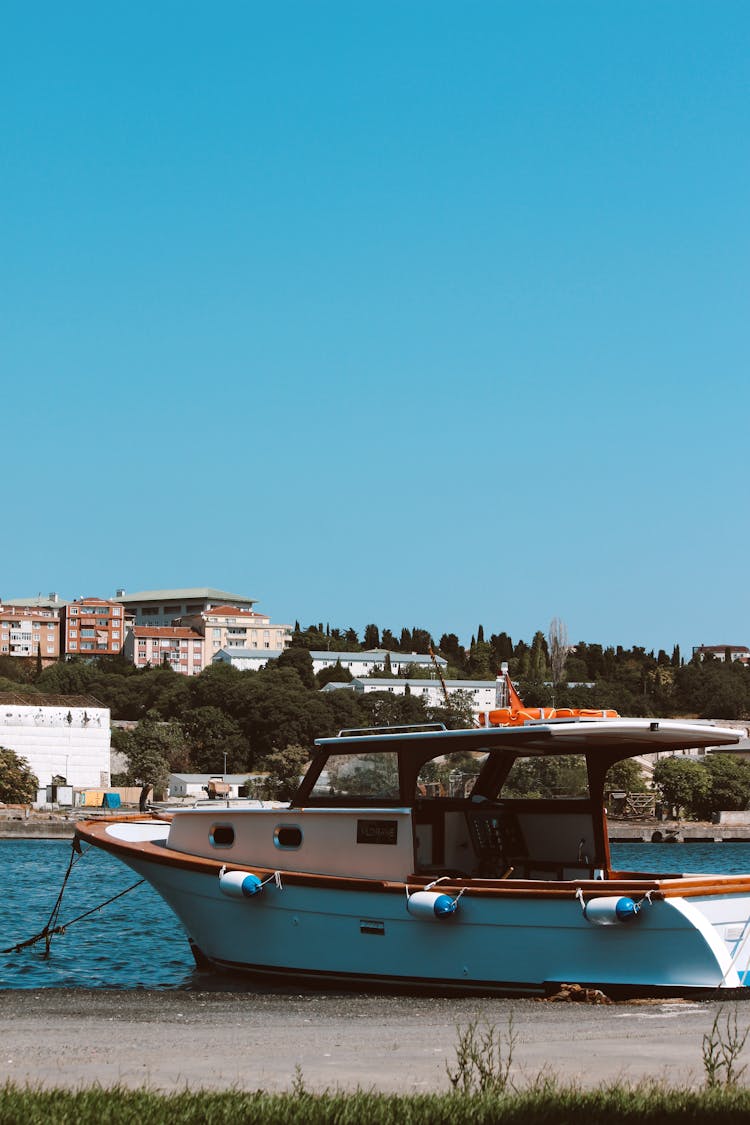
137,942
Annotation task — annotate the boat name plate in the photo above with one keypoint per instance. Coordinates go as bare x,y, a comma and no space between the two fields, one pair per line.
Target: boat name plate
377,831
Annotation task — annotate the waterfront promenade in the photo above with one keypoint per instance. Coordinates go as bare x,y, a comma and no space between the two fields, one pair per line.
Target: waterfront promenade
219,1040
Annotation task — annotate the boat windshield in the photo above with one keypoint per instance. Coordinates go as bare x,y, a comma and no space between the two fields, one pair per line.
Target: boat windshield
558,775
451,775
364,776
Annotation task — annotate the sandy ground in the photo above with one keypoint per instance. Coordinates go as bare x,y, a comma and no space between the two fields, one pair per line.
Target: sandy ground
218,1040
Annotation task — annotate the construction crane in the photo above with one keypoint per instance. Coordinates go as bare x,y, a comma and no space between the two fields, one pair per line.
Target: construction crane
440,676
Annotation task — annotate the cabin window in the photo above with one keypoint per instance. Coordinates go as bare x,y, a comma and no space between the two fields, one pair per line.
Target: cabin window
365,776
452,775
221,836
287,836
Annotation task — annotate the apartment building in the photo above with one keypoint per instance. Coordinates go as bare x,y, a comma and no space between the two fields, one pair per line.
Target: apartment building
167,607
154,645
232,627
30,632
92,626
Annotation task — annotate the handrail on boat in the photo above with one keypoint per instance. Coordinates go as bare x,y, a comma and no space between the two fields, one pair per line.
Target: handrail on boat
353,732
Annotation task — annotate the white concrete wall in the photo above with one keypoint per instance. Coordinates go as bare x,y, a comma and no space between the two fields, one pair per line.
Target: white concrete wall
73,742
480,694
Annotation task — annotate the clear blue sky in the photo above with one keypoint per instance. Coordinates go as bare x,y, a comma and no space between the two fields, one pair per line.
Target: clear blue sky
419,313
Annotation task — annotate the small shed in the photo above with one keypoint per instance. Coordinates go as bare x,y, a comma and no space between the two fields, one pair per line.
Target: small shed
196,784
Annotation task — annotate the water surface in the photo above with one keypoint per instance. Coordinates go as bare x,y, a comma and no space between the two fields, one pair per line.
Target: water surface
136,942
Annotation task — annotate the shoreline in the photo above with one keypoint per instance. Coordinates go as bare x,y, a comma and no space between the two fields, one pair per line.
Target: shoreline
171,1041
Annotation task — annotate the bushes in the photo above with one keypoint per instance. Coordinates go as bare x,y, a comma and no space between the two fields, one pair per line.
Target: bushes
703,788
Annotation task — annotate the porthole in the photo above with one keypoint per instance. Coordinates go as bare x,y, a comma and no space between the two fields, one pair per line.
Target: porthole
221,836
287,836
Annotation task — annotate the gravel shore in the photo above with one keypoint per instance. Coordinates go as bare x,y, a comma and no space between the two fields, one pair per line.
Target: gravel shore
170,1041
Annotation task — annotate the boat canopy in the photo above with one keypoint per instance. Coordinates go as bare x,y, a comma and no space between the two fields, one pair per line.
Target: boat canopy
626,738
602,741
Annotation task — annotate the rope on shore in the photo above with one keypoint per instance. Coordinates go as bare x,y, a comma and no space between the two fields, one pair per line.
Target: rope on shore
52,927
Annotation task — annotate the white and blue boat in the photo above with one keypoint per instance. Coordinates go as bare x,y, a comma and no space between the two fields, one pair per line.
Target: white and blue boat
378,874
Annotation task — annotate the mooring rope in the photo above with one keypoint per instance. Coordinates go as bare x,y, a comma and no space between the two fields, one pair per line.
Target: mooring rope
52,927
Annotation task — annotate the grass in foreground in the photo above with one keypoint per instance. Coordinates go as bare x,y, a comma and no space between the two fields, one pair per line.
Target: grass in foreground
550,1103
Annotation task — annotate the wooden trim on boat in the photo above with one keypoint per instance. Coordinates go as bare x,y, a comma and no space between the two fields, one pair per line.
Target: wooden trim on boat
623,883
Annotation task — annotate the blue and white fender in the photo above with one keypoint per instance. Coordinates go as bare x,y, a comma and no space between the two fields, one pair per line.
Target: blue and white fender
614,910
431,904
239,884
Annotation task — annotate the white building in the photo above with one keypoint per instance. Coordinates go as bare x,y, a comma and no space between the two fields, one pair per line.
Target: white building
375,660
196,784
246,659
722,652
69,737
481,693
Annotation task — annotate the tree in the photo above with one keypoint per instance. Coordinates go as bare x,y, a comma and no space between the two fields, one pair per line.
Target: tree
421,640
219,685
372,637
313,637
480,661
337,674
626,775
457,712
450,647
682,782
69,677
342,711
153,750
381,708
300,660
538,658
502,648
387,640
16,670
275,710
210,734
729,785
558,648
712,689
283,769
18,784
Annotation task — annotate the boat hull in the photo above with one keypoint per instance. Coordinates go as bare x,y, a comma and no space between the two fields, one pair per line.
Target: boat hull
508,944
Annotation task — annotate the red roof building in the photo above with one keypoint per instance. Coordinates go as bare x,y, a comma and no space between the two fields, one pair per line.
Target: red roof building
152,645
92,627
30,632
